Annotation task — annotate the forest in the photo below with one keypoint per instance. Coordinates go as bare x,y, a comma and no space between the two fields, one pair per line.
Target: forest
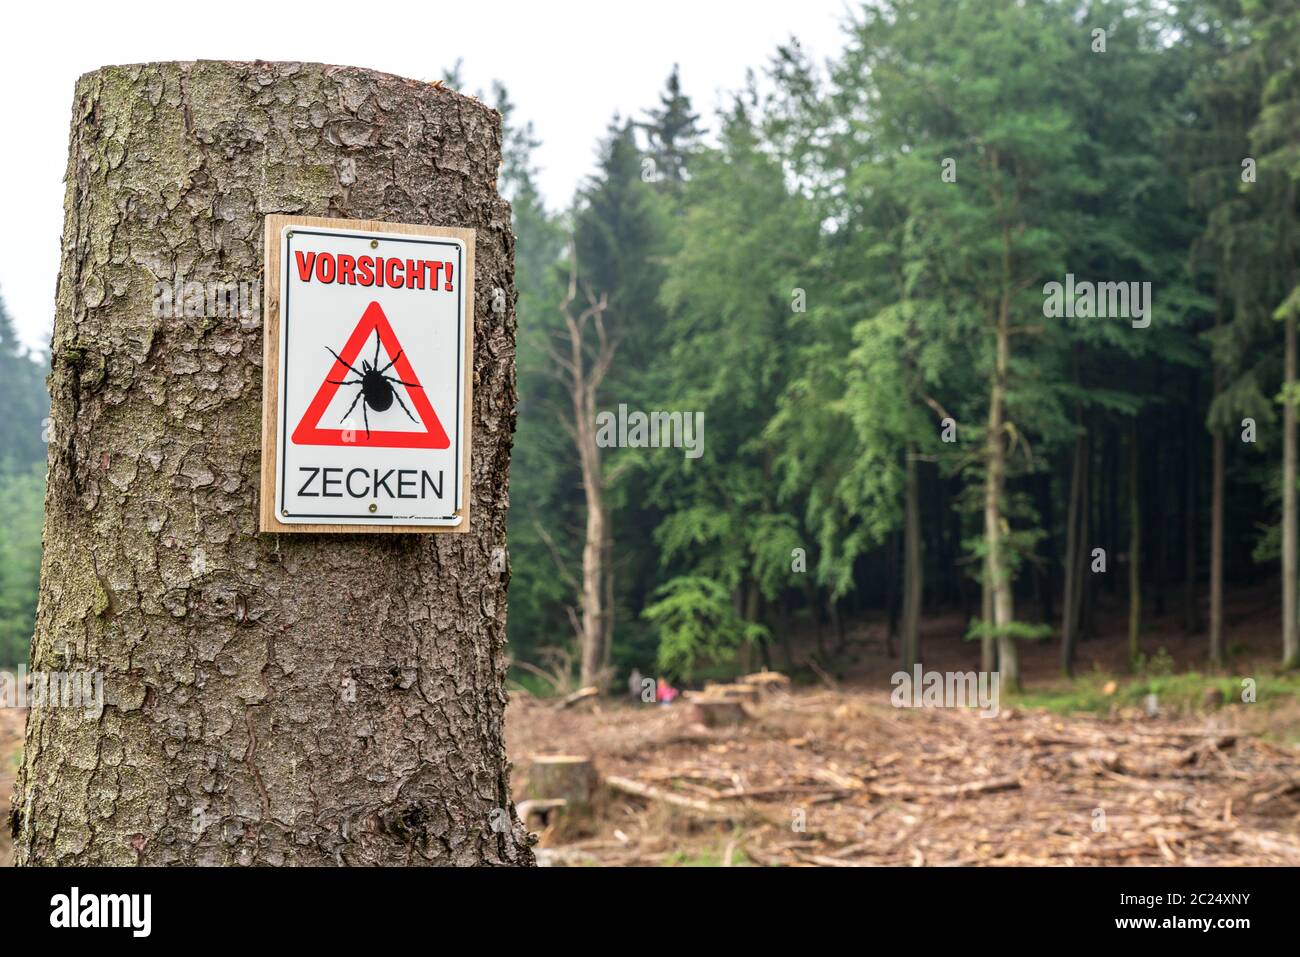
962,363
862,279
993,314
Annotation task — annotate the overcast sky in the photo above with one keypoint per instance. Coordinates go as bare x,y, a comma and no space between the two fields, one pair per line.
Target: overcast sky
568,65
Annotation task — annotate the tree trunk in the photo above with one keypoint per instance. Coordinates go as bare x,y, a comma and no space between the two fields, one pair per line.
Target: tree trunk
912,569
891,587
583,374
1191,602
1076,523
1290,645
1134,550
297,699
988,644
607,625
593,556
1216,520
999,566
1216,550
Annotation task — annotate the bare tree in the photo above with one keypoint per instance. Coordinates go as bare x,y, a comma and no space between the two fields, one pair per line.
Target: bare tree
582,360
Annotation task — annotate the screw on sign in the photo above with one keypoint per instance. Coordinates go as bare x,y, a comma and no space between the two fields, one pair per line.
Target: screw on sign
373,324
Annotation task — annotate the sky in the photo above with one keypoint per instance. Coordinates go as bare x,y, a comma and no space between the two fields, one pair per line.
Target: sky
569,67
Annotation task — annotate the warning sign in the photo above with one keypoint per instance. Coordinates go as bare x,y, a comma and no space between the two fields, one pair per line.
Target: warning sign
368,396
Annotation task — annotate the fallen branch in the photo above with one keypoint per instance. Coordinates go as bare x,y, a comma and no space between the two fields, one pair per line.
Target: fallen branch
1007,783
582,694
636,788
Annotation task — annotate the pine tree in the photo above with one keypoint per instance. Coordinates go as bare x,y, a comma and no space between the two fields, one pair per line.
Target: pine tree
672,134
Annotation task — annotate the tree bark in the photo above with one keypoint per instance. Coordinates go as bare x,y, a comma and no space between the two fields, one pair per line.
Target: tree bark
1217,483
912,568
1216,550
593,565
1191,442
1134,551
297,699
999,566
1290,644
891,587
988,644
1075,554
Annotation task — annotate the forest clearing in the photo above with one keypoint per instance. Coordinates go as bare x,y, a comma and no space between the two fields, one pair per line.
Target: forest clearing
838,777
878,786
829,773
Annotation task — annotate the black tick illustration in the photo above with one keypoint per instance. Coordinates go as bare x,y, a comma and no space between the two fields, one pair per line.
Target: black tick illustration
376,387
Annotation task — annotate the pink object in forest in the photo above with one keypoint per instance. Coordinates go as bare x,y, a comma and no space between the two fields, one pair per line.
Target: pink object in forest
664,692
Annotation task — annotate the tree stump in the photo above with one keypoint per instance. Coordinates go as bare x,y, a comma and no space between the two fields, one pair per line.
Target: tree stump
767,682
737,692
566,777
717,712
297,699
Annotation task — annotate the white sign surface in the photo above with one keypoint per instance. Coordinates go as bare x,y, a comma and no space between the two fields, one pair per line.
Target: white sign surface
373,370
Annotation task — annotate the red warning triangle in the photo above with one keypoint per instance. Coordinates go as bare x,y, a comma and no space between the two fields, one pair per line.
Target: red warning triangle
309,431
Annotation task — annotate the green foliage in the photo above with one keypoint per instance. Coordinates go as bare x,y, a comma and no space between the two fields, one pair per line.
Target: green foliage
697,622
23,399
1021,630
22,496
807,278
1176,693
22,490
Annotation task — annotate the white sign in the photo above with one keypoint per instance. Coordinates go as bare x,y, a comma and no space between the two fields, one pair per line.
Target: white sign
373,370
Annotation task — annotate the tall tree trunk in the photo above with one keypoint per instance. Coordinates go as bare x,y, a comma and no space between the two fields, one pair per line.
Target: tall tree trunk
298,699
607,625
988,644
1290,646
1110,470
1046,520
891,588
594,540
1191,467
912,567
837,625
787,646
1217,484
1091,528
999,566
1134,549
1216,549
1076,523
1082,560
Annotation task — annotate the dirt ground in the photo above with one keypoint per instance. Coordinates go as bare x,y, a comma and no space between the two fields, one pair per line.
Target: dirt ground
831,774
842,778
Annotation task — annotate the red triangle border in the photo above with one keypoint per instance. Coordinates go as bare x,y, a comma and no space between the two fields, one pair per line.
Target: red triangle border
309,431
